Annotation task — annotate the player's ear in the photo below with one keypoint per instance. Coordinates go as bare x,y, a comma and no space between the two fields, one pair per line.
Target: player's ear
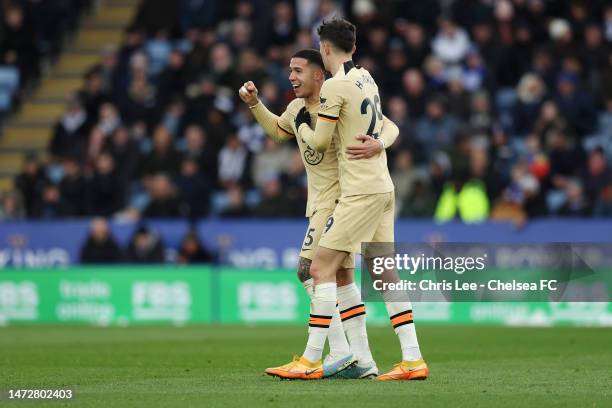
325,46
354,49
319,75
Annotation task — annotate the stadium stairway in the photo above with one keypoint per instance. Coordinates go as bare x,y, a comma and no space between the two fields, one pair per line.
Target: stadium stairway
29,130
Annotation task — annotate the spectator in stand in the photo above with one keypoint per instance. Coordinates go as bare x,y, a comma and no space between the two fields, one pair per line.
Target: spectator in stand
233,162
156,15
566,158
452,43
11,206
125,153
531,91
283,28
577,106
435,72
138,103
108,119
105,195
73,188
198,148
192,251
458,96
417,49
163,158
236,205
550,120
437,129
273,159
603,205
70,132
92,96
100,246
30,183
274,203
145,247
50,204
164,199
172,79
18,44
414,93
404,177
221,65
194,189
576,204
596,176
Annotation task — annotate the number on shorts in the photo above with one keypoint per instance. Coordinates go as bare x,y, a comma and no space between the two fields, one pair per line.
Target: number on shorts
309,238
329,223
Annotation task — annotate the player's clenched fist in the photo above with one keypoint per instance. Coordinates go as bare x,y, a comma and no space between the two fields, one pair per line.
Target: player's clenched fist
248,93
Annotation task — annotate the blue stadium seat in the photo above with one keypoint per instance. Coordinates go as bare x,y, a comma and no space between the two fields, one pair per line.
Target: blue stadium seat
9,83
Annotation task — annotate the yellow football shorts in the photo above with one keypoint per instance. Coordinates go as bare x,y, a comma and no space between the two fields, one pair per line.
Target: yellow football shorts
316,225
361,218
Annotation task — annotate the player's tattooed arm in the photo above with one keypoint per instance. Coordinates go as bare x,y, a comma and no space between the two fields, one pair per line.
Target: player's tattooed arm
304,269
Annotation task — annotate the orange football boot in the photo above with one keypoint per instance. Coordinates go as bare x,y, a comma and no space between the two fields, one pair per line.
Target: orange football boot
298,369
407,370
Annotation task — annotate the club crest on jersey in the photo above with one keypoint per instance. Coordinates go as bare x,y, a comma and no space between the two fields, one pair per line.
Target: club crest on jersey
322,100
312,157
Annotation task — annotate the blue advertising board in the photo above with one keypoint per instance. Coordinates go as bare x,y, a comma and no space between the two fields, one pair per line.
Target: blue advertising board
265,243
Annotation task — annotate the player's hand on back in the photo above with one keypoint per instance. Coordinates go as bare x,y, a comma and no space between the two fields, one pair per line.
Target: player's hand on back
369,147
248,93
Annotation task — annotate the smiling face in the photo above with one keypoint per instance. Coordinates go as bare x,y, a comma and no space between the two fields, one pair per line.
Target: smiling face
304,77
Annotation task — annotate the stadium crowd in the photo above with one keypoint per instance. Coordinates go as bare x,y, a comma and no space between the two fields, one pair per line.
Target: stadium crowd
145,246
32,34
504,109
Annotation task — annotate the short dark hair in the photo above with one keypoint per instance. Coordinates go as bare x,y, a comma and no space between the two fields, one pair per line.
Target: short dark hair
312,56
340,32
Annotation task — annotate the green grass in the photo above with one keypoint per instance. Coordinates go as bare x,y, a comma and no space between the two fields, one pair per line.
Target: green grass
208,366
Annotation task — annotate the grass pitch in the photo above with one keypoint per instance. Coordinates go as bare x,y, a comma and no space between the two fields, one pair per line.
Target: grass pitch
207,366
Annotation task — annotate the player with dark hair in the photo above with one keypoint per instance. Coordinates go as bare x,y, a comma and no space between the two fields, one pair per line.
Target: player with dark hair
350,104
307,75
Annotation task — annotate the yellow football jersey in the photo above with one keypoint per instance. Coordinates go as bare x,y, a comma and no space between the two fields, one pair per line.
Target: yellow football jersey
350,101
321,168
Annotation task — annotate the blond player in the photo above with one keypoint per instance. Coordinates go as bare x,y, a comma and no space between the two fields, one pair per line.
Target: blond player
307,76
350,104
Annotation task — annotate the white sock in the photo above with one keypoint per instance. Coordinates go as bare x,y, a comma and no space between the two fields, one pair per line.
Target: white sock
323,306
352,314
338,346
400,314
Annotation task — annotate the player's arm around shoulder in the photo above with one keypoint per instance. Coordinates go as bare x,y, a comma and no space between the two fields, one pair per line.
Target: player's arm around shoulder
271,123
331,103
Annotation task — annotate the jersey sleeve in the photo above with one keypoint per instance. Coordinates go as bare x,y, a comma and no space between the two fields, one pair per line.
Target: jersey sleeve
329,110
271,123
331,101
285,122
389,132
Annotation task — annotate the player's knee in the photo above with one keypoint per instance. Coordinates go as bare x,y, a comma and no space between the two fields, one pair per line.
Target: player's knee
316,271
344,276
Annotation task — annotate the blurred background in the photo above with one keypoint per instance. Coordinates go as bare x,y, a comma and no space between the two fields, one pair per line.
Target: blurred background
123,139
